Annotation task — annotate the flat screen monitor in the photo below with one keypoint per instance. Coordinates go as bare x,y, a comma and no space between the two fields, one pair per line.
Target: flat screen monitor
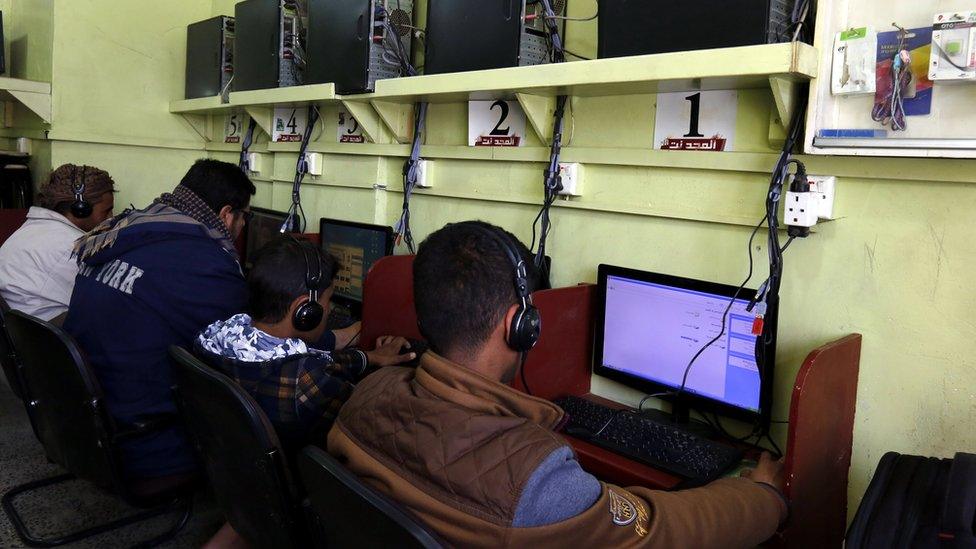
357,246
263,227
650,326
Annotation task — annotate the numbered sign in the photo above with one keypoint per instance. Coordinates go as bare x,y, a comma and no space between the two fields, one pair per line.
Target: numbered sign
233,128
495,124
349,130
696,121
289,124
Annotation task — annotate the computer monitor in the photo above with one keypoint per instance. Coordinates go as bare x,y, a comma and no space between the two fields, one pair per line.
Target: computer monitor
357,246
649,326
263,227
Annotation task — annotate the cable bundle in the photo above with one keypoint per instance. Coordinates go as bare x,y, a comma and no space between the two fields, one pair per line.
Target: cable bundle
295,222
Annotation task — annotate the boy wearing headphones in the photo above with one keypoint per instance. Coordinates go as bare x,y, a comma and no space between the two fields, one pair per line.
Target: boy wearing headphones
480,462
268,350
37,273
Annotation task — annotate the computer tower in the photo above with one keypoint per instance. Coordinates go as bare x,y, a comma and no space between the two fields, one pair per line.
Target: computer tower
269,49
639,27
469,35
209,57
348,42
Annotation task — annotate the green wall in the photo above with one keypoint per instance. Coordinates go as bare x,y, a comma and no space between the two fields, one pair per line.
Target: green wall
895,266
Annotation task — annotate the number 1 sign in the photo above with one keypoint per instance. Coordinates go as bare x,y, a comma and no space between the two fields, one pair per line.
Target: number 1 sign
696,121
496,124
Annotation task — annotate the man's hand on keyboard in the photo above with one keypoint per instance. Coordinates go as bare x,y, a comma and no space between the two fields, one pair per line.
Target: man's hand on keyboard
768,471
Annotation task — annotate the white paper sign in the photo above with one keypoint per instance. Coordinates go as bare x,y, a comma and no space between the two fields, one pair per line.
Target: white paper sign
349,130
696,121
496,124
233,128
289,124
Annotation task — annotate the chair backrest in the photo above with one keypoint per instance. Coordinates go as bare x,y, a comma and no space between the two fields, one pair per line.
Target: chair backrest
64,400
8,360
352,514
240,452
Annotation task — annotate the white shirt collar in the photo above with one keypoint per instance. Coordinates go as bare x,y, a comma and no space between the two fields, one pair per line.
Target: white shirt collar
37,212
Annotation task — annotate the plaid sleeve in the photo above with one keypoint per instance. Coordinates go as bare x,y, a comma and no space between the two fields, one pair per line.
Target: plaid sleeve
349,363
320,392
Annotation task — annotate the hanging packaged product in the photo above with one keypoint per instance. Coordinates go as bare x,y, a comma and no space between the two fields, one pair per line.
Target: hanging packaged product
854,62
954,47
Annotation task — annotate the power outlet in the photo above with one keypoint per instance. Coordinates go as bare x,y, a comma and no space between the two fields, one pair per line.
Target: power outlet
424,169
313,161
824,186
255,163
801,209
572,177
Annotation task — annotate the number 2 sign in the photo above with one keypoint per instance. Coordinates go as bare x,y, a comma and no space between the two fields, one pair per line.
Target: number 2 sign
696,121
496,124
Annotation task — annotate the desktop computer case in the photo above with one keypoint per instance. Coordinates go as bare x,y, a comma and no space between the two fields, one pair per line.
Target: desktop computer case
209,57
639,27
270,43
347,42
468,35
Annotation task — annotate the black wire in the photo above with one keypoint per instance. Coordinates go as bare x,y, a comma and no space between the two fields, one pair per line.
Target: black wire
246,145
352,339
725,315
295,221
525,384
578,56
410,175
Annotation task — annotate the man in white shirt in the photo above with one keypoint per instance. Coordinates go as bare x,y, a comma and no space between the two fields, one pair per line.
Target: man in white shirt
37,272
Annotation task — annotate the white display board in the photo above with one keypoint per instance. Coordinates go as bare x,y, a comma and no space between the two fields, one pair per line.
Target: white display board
949,130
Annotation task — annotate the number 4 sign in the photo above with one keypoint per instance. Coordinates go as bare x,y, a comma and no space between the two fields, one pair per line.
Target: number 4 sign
696,121
496,124
289,124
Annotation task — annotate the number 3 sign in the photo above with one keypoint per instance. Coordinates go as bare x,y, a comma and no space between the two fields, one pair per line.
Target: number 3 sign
696,121
496,124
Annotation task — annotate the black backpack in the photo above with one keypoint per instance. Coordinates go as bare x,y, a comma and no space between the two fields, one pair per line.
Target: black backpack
918,502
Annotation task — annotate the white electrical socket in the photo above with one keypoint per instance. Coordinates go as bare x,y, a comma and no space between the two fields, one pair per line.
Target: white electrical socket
313,161
572,178
424,169
801,209
824,186
255,162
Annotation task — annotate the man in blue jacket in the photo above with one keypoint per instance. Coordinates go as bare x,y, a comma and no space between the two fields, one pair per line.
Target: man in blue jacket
153,278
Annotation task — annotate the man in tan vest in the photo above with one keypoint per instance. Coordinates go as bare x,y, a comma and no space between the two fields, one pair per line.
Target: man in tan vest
481,463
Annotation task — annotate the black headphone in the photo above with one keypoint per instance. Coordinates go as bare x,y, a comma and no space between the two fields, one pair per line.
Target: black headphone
309,314
526,325
80,208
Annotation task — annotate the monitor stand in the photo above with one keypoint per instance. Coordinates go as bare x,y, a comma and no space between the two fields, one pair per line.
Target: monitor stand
680,417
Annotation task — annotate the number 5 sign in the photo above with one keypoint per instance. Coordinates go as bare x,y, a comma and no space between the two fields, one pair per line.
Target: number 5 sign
496,124
696,121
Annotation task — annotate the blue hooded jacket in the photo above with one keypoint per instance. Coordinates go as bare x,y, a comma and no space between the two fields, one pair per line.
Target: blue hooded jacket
157,283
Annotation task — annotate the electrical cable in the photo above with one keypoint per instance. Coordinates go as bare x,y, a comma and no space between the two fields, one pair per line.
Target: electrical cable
410,175
725,315
244,162
552,179
295,221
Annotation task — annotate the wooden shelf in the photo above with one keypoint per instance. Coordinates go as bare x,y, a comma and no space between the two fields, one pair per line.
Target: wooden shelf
727,68
386,114
203,105
36,96
290,96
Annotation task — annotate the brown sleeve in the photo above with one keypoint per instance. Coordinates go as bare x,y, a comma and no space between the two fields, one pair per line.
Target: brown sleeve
734,512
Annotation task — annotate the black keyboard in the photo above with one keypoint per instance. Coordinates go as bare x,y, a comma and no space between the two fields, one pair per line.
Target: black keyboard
339,317
660,445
